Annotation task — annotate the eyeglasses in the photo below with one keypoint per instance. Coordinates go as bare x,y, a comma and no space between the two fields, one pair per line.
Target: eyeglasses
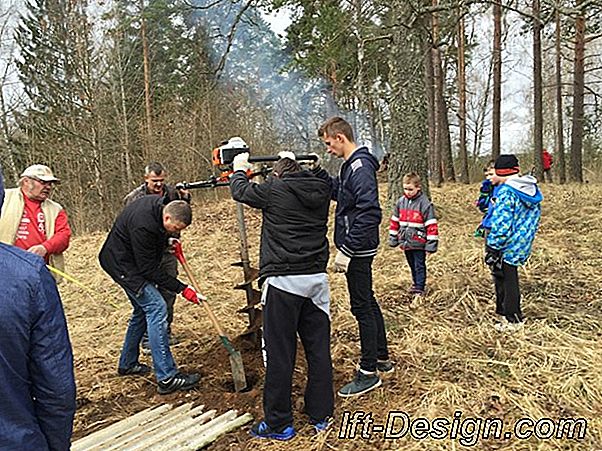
43,182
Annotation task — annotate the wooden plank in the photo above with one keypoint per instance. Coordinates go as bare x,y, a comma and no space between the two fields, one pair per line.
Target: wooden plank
164,428
165,421
146,415
178,441
213,434
170,433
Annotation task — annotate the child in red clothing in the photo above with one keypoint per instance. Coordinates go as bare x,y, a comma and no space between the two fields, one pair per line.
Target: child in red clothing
414,229
547,162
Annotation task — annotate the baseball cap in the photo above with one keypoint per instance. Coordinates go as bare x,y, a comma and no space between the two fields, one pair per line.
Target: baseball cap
40,172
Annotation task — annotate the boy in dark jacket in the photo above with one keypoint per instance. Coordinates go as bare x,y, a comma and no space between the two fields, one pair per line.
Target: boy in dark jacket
132,255
357,221
296,298
36,361
414,229
485,196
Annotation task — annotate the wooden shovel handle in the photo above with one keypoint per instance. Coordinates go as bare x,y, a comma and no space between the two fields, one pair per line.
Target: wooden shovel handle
205,304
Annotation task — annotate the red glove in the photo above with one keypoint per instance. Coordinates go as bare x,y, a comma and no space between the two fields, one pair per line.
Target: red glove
190,295
177,250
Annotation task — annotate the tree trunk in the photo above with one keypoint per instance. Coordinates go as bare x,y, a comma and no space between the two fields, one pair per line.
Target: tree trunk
11,169
559,115
497,80
442,122
537,94
576,164
464,176
481,118
147,84
409,137
434,164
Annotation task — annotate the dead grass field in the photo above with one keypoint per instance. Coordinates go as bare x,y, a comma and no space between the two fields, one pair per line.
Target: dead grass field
449,358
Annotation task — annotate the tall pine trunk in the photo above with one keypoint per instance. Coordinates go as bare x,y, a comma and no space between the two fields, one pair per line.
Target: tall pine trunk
409,137
576,163
537,94
497,80
559,116
464,176
147,85
434,157
442,123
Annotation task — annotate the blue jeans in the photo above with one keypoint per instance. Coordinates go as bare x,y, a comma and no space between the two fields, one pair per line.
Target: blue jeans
149,309
417,261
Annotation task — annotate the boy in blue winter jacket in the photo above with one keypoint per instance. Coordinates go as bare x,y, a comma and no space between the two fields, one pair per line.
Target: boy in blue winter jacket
514,222
414,229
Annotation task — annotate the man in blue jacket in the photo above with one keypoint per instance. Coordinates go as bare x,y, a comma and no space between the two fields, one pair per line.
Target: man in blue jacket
36,361
356,237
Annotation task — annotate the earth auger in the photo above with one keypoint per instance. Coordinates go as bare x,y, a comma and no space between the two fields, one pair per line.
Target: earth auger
222,159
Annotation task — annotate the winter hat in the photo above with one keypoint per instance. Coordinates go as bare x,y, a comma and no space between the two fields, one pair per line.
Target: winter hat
506,165
1,189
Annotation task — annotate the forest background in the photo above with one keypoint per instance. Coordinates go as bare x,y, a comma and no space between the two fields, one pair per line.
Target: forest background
98,88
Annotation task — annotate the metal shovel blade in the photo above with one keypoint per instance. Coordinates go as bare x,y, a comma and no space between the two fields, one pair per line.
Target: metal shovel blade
238,371
236,365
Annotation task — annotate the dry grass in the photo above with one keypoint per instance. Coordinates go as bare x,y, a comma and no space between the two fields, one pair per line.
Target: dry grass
449,358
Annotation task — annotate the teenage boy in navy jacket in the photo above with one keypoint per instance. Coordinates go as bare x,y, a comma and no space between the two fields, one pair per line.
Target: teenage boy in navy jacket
357,219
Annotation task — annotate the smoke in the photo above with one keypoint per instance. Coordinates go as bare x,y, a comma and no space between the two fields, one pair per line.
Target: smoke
257,61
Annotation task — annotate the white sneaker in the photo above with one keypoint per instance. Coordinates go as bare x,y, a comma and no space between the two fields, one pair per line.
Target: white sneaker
506,326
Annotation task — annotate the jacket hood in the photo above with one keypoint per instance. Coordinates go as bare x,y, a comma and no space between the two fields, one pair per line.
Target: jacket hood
311,191
363,152
526,188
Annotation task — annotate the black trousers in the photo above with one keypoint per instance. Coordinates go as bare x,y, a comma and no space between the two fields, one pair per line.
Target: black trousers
507,293
365,308
285,314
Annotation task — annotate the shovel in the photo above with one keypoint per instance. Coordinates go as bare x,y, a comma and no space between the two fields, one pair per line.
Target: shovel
238,370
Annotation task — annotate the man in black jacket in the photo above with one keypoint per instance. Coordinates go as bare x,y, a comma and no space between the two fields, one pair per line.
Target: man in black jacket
131,255
356,237
295,297
154,185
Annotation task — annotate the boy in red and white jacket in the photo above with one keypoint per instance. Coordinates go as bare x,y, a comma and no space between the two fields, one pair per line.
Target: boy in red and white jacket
414,229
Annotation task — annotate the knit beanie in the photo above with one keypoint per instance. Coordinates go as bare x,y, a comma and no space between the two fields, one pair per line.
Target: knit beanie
506,165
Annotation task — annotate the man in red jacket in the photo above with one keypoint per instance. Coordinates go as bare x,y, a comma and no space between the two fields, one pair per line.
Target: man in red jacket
36,360
32,221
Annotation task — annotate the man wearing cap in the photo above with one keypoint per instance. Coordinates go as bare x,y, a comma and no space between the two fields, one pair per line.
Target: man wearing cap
36,360
33,222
